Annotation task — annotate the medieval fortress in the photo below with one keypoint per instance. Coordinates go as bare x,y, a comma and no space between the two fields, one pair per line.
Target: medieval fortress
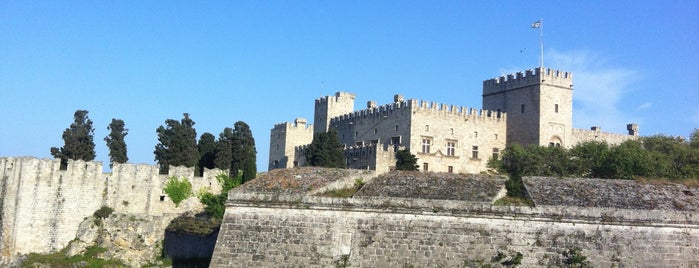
531,107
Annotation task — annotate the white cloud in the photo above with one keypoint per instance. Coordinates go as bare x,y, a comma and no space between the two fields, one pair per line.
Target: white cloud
644,106
598,89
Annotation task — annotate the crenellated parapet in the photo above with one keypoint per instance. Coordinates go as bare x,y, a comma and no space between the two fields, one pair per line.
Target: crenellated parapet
383,111
298,124
527,78
386,111
338,95
447,110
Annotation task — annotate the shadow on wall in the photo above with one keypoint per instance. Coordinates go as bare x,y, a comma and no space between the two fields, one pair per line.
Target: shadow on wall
189,250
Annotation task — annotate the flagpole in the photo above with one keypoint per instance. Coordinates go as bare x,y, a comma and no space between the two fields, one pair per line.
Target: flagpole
541,41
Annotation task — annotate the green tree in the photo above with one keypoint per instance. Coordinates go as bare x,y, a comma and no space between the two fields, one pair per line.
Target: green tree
177,144
587,158
406,161
694,139
325,150
115,142
78,140
244,156
629,160
224,150
207,152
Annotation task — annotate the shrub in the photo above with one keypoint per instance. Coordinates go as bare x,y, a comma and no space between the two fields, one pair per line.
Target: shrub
103,212
178,189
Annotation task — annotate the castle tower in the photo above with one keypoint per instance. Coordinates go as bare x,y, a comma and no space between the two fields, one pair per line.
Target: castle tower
331,106
538,103
284,138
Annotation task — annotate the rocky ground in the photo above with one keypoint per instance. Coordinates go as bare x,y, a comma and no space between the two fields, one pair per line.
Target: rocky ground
626,194
430,185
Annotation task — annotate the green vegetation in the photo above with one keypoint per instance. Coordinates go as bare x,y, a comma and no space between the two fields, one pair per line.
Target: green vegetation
325,150
101,214
115,142
201,226
178,190
573,258
78,140
61,260
244,153
215,204
177,144
653,157
406,161
344,192
207,152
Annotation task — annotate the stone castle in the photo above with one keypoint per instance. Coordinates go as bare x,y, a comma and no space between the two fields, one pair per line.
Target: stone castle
531,107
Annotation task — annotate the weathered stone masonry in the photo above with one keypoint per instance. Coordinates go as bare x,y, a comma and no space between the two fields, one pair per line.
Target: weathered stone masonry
277,230
42,206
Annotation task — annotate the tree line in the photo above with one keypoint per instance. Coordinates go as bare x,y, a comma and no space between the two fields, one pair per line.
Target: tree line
234,150
652,157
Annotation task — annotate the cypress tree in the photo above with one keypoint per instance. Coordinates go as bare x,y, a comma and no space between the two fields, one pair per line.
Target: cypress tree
207,152
244,152
326,150
406,161
177,144
115,142
78,140
224,150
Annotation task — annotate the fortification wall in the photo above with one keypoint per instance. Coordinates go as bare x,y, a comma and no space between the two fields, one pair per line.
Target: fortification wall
43,205
380,158
596,134
377,232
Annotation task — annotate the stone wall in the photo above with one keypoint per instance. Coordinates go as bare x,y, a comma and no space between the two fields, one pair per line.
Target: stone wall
596,134
377,227
43,206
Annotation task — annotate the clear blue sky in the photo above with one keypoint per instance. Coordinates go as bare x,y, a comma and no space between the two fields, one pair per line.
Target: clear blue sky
264,62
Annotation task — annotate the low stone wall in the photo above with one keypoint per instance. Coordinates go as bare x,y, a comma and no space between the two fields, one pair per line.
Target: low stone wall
263,229
410,234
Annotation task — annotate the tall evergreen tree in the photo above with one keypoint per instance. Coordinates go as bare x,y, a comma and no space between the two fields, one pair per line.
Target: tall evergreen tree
115,142
244,152
177,144
78,140
224,150
326,150
207,152
406,161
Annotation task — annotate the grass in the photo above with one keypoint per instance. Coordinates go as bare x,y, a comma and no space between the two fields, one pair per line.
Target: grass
514,201
60,260
340,193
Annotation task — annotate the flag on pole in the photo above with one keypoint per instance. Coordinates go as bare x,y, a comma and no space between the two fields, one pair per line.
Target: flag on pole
536,24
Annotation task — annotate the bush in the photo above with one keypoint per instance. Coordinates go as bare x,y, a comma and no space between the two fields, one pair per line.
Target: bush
178,190
103,212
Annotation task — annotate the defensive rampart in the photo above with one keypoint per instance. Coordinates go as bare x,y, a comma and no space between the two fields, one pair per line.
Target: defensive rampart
43,205
377,228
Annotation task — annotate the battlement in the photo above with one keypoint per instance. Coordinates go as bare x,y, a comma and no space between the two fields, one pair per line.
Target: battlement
461,111
414,105
298,123
528,78
338,95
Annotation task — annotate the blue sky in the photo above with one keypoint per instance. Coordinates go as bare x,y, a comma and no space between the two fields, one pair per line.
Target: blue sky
264,62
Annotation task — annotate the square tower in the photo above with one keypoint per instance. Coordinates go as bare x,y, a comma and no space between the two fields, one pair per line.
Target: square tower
538,103
328,107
